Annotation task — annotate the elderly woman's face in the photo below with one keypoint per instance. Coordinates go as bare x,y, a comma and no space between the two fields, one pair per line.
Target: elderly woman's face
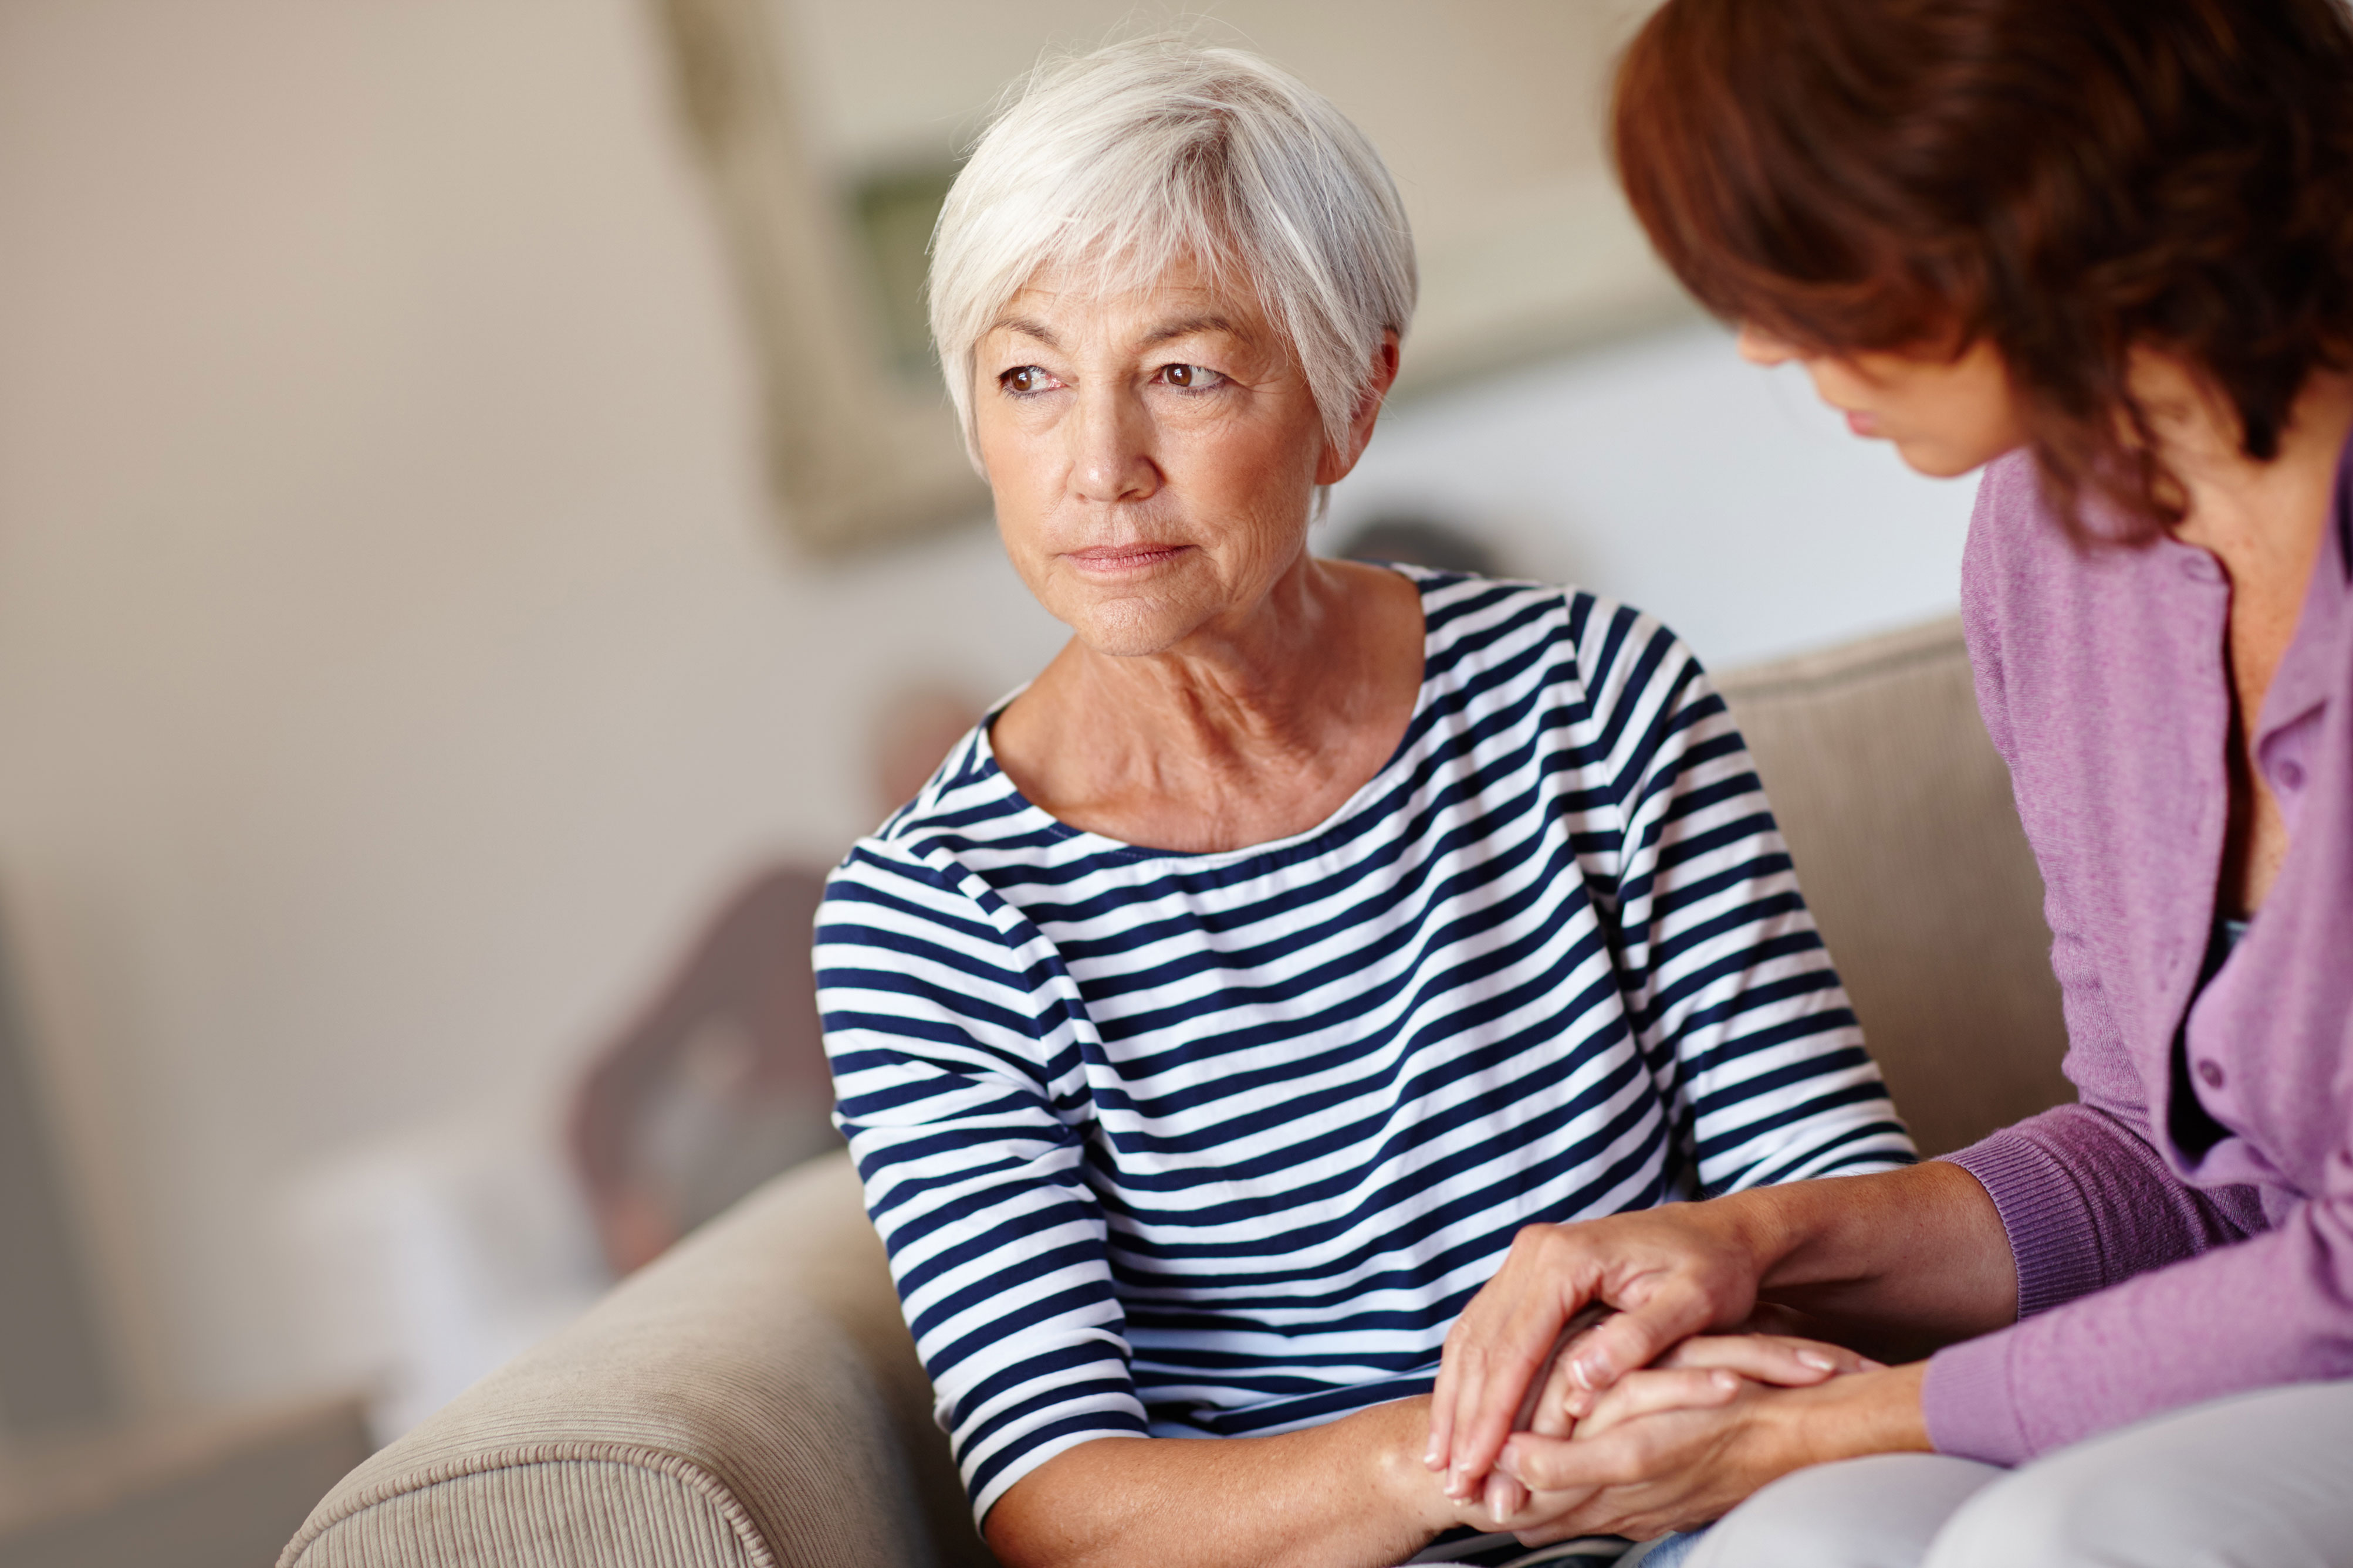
1154,455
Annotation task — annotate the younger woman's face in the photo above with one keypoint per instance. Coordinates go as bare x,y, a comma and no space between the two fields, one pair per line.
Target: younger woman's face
1946,415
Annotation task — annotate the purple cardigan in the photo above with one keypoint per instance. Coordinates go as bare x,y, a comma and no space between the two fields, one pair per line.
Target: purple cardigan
2147,1280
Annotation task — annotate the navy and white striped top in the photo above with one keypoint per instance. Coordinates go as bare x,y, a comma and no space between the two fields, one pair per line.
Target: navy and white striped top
1215,1144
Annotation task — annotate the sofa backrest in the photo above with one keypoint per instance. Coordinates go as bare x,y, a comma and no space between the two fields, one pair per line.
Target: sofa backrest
1898,813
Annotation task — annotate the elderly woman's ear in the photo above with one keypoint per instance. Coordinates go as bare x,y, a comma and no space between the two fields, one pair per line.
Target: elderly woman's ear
1337,461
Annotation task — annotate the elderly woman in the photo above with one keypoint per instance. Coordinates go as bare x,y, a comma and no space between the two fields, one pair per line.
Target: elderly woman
1210,1021
2107,248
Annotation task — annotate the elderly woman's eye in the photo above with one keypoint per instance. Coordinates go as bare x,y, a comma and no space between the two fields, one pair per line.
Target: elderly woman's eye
1191,377
1023,378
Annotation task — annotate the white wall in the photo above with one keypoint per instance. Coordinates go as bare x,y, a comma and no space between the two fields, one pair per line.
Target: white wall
1664,471
394,651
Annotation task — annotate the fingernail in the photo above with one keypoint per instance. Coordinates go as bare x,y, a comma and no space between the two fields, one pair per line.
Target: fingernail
1870,1365
1496,1501
1588,1371
1430,1457
1724,1381
1457,1483
1818,1360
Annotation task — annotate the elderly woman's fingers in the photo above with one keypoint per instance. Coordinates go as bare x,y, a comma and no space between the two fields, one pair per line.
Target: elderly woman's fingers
1778,1358
1545,1410
1547,1516
1632,1339
1505,1497
1461,1377
1546,1466
1441,1409
1549,1406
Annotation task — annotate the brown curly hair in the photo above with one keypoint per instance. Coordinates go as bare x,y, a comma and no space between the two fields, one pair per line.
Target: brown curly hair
2067,179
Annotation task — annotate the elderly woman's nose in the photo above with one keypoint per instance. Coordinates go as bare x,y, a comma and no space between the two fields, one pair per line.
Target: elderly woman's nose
1111,459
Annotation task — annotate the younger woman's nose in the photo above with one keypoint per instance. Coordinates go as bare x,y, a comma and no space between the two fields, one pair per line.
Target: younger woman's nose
1759,346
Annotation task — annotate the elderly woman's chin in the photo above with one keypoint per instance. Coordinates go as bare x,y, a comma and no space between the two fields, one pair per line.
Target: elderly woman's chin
1133,625
1138,620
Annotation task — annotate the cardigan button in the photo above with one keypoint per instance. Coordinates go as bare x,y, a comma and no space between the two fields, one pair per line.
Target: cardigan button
2210,1073
2288,775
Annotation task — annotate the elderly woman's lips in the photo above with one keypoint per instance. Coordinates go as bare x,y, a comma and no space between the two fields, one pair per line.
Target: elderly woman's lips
1862,423
1125,557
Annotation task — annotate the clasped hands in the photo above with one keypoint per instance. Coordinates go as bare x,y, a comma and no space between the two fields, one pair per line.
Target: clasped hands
1610,1380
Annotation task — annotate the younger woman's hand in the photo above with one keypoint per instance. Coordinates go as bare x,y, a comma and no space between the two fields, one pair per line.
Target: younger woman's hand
1699,1373
1681,1446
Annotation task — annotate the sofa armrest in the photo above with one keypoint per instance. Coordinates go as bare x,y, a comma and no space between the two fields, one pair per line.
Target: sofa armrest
752,1397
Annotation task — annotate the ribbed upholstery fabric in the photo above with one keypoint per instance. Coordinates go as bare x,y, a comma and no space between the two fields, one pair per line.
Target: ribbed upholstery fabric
584,1513
1898,813
751,1398
754,1397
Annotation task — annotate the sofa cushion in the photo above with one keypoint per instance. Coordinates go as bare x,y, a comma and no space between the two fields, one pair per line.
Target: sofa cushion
1899,815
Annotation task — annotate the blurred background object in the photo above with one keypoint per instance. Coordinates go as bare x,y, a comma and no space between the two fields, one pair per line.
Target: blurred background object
53,1372
1418,541
720,1081
717,1085
860,446
401,658
190,1491
428,1256
422,1257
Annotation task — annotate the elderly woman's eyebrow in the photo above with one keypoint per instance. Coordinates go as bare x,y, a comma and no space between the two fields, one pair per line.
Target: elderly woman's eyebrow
1027,328
1189,327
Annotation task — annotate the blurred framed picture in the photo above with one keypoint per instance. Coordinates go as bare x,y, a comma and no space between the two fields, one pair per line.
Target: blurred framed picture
861,445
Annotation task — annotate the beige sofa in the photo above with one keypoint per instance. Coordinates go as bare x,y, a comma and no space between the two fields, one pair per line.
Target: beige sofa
752,1399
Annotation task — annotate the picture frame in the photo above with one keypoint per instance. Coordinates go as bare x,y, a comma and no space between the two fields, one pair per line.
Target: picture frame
862,446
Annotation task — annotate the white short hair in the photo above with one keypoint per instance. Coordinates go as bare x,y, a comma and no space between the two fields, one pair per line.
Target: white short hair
1119,160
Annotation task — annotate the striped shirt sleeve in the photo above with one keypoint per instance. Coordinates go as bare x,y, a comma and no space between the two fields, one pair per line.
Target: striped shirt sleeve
951,1046
1734,1000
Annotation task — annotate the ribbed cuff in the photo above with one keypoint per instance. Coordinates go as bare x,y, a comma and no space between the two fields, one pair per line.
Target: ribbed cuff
1965,1399
2052,1233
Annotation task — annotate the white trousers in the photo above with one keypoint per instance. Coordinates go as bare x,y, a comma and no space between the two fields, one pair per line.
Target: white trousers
2257,1481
